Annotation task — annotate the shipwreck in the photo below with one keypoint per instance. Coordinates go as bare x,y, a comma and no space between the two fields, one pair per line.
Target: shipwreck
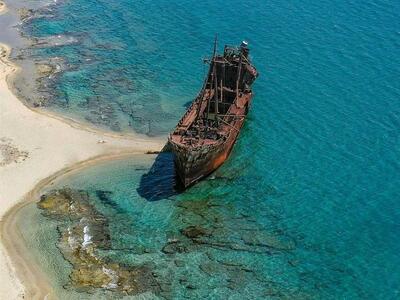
206,134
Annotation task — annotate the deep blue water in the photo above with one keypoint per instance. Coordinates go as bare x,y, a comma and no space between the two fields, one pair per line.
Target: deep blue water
317,163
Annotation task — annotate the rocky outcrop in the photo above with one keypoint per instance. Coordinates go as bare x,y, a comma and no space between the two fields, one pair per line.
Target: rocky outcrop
80,241
25,13
45,70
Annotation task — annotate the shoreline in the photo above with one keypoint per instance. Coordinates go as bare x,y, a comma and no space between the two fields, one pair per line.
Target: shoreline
13,78
71,122
35,282
51,146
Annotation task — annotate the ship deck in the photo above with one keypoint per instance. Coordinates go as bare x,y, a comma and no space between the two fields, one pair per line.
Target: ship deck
187,133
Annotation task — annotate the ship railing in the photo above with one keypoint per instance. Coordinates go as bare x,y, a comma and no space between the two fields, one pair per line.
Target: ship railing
195,102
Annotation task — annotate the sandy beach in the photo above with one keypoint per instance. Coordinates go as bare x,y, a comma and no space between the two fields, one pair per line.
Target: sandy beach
36,147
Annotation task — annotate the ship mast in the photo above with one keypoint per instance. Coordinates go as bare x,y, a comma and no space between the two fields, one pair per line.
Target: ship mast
216,93
238,76
213,77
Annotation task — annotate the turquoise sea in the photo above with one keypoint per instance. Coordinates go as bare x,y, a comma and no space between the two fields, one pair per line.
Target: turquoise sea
307,206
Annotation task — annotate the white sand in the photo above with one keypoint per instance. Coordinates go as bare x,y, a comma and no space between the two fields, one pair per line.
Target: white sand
3,7
51,145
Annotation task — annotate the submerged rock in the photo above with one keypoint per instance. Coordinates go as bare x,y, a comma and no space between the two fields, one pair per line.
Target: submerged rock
45,70
66,203
113,277
179,263
174,247
264,239
211,268
101,113
194,232
25,13
80,241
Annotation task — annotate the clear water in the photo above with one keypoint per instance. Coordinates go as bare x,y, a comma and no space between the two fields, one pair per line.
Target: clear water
316,166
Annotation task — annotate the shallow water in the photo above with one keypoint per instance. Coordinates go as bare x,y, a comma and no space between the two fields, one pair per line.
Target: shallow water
237,251
259,241
315,173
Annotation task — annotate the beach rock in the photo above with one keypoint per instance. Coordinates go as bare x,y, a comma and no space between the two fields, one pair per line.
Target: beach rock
65,203
45,70
3,53
80,241
87,276
55,203
25,13
113,277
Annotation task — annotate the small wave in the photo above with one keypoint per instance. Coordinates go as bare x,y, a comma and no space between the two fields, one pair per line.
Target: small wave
87,238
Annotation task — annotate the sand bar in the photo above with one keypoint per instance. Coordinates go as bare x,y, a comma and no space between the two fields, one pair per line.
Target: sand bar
33,147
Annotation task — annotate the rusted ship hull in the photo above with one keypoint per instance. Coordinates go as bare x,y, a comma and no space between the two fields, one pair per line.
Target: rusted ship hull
206,134
193,165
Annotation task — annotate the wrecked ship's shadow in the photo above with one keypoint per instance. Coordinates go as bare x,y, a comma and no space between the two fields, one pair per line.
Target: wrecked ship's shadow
161,181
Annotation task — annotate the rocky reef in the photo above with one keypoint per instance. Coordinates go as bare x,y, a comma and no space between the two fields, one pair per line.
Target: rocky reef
208,245
87,232
228,241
